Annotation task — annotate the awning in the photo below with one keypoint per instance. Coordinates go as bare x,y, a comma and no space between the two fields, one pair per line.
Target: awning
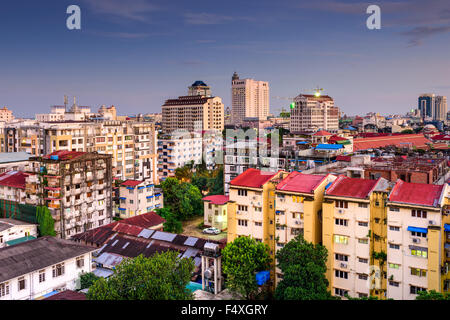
150,197
416,229
447,227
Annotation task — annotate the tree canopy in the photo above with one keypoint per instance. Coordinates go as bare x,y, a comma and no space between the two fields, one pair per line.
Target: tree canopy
163,276
242,259
46,221
304,266
172,224
183,199
432,295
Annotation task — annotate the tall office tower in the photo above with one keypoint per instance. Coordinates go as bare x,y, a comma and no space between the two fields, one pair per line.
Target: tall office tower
250,99
193,112
314,112
440,107
426,105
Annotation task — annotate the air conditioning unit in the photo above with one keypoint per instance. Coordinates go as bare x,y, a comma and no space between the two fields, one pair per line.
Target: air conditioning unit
340,211
238,212
343,265
416,240
431,222
297,222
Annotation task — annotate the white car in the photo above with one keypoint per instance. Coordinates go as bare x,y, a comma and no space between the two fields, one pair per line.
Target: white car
211,230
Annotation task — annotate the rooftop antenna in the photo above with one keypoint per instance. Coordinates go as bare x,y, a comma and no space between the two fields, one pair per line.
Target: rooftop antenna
317,91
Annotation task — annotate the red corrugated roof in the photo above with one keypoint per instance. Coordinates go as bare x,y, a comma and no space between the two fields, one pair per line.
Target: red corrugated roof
217,199
65,155
439,137
351,187
14,179
416,193
302,183
146,220
336,138
417,140
127,229
131,183
344,158
252,178
67,295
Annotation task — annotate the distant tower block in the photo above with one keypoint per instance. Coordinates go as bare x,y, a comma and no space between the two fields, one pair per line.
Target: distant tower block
199,88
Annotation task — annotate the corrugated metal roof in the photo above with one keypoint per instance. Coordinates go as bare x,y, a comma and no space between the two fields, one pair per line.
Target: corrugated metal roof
164,236
146,233
109,259
190,241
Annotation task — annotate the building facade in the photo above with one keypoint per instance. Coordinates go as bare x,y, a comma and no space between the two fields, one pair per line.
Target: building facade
138,197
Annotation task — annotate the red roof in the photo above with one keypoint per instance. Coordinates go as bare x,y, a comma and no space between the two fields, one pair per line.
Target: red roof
67,295
322,133
217,199
344,158
252,178
127,228
441,137
302,183
336,138
65,155
416,193
351,187
417,140
14,179
146,220
131,183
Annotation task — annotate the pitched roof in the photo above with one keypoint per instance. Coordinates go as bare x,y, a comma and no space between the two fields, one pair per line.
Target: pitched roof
298,182
131,183
147,220
217,199
417,140
416,193
252,178
351,187
322,133
67,295
344,158
14,179
37,254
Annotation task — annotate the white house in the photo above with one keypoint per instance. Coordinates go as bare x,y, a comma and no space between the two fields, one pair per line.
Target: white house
31,269
15,231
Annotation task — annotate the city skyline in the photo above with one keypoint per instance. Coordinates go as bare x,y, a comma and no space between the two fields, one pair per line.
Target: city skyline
135,56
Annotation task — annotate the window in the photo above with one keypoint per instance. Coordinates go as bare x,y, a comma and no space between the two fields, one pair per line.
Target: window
258,209
340,292
242,193
394,283
362,276
4,289
80,261
394,228
242,223
363,260
363,224
420,252
21,283
362,205
419,214
363,241
341,274
340,239
418,234
341,222
341,257
41,276
394,266
258,224
418,272
416,290
341,204
242,208
58,270
395,209
362,295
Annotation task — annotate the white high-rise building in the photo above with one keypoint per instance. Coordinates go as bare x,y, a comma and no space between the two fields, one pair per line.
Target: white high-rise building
440,108
250,99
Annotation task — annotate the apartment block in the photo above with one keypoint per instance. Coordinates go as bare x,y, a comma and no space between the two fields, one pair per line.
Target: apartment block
138,197
313,113
77,188
6,115
215,211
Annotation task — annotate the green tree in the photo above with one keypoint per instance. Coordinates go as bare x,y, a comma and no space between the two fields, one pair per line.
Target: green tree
171,224
242,259
215,184
432,295
87,280
169,188
46,222
200,181
189,202
163,276
183,174
304,266
407,131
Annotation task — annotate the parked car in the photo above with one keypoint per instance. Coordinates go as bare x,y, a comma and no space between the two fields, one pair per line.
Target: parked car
211,230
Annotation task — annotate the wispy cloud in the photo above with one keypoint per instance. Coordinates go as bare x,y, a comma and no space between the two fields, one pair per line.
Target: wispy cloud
136,10
203,18
418,34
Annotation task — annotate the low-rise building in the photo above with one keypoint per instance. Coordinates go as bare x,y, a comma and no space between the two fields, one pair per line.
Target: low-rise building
215,212
15,231
34,268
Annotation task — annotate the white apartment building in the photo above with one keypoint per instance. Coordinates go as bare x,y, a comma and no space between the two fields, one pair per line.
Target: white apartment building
6,115
249,98
31,269
138,197
313,113
12,230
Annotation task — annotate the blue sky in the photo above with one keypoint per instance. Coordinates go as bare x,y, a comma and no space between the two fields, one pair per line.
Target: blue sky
137,53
